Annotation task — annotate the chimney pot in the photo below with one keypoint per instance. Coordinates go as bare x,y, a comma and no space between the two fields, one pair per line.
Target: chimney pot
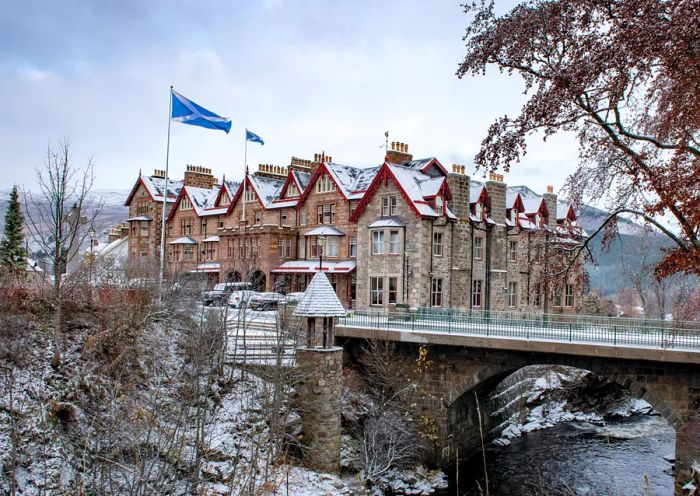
550,189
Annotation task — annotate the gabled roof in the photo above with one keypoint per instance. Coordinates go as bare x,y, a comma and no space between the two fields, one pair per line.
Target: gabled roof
267,190
430,166
415,187
302,179
514,200
565,211
535,205
319,299
155,187
228,188
352,182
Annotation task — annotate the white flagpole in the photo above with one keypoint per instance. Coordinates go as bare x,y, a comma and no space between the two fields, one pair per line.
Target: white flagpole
165,199
245,167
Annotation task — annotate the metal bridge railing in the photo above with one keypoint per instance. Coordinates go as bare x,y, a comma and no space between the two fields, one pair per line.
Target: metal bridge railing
556,327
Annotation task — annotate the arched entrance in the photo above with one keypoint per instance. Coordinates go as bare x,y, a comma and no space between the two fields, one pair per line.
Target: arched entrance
258,280
234,276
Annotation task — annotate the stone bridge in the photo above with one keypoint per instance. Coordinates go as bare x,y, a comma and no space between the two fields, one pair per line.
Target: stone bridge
659,364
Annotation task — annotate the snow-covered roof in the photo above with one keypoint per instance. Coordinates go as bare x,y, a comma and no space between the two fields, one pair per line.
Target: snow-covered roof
415,184
387,222
475,189
207,267
139,218
184,240
211,239
302,179
319,299
563,209
156,186
532,205
524,191
325,231
511,197
33,266
117,248
268,189
352,181
314,265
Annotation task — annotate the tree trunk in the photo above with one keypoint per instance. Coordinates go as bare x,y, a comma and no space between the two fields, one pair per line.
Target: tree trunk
57,335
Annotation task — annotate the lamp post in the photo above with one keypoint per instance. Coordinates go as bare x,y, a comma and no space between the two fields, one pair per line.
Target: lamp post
92,235
321,241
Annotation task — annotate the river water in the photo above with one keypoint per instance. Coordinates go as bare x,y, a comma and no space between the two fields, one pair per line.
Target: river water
624,457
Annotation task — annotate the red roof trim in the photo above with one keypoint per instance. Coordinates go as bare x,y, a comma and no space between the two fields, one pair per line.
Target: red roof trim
383,173
312,182
432,162
239,192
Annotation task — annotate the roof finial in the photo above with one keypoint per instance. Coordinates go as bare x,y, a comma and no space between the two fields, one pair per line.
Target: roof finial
139,172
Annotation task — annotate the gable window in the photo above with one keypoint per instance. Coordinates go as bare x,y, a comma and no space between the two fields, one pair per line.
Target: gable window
478,248
513,251
224,200
479,211
352,250
376,285
437,244
325,184
377,242
388,205
331,246
513,215
249,195
185,204
436,292
393,289
394,242
476,293
569,301
292,190
512,294
439,205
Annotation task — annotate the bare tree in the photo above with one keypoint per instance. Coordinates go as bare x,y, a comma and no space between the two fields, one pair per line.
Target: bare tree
55,217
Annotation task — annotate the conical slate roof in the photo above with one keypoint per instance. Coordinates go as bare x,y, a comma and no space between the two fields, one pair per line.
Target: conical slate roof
319,300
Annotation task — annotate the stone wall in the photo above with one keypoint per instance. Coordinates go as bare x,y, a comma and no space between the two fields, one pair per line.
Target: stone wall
319,394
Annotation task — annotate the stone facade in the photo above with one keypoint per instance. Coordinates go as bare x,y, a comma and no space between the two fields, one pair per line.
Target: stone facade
319,394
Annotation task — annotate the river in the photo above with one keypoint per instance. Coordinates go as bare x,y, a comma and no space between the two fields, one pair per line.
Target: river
624,457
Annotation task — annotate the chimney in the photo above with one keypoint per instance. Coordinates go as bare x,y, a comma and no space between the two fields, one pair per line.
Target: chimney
497,192
398,153
159,173
271,171
550,198
459,186
199,177
299,164
318,159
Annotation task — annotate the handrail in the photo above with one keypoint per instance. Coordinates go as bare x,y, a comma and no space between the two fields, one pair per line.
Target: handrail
613,331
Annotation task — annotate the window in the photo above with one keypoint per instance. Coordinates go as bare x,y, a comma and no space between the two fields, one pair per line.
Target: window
325,184
204,227
258,216
478,248
513,251
512,294
224,200
142,208
393,289
302,247
439,204
394,242
437,244
353,207
569,301
185,204
513,215
376,285
292,190
283,217
331,246
249,195
377,242
221,222
476,293
144,228
280,247
352,250
186,226
144,251
314,248
557,298
388,205
436,292
326,214
288,248
302,217
478,211
188,251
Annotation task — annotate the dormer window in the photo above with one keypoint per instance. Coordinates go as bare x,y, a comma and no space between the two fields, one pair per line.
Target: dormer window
185,204
479,211
224,200
538,220
439,205
513,215
292,190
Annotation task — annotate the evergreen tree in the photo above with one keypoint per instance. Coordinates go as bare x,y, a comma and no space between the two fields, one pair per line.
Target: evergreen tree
13,257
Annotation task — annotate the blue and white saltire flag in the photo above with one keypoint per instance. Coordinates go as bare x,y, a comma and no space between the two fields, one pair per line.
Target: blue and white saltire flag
253,137
188,112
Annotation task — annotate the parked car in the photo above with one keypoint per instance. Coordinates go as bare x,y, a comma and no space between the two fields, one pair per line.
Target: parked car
222,291
241,299
266,301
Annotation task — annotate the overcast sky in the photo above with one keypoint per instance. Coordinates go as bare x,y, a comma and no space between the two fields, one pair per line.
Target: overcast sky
306,76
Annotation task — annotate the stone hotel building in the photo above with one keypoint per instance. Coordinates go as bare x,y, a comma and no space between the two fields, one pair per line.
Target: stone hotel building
405,233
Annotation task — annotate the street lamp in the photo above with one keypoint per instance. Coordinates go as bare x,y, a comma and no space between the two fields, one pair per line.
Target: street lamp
92,235
321,241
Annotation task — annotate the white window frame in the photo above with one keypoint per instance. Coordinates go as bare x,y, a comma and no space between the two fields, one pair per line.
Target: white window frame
477,296
436,292
512,294
352,247
512,251
478,247
377,242
394,242
376,291
185,204
393,294
569,296
331,246
437,244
